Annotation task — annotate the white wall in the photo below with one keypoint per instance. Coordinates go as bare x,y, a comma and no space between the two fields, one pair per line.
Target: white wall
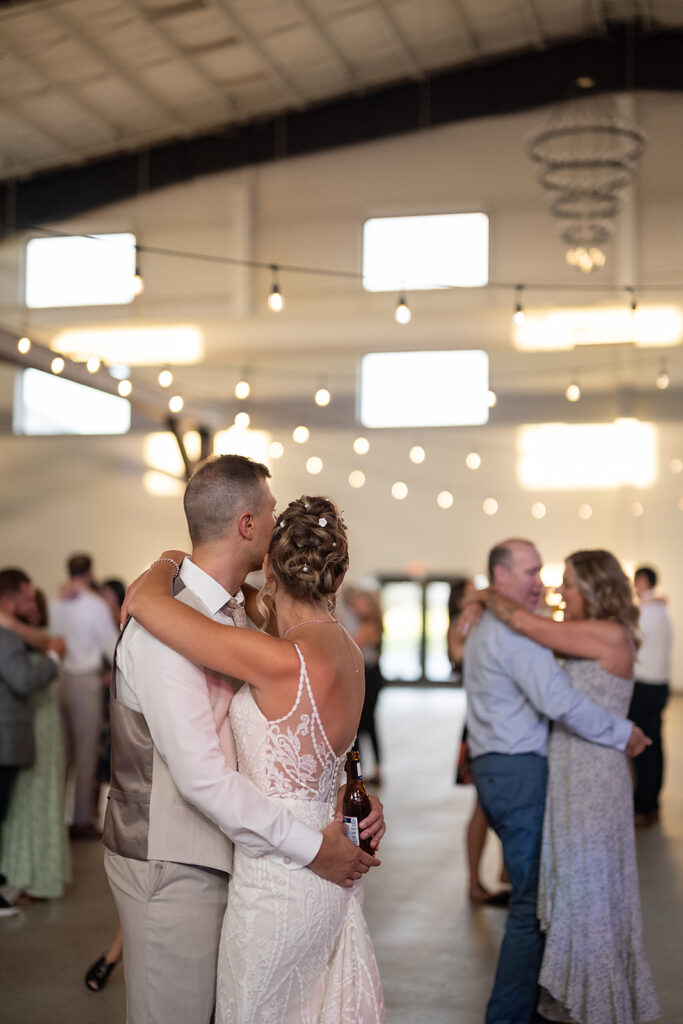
63,494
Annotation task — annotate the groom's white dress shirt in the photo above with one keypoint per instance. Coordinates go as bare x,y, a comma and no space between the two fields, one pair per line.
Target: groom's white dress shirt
186,710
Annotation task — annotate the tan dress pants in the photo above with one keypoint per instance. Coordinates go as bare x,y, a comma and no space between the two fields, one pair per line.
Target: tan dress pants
80,705
171,916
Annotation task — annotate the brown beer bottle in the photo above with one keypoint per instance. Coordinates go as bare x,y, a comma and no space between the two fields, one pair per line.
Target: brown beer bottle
356,803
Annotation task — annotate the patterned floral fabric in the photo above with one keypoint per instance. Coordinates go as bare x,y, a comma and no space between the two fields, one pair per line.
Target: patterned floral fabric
295,949
35,845
594,967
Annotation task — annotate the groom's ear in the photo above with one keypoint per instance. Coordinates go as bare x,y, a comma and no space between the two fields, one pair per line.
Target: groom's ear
245,525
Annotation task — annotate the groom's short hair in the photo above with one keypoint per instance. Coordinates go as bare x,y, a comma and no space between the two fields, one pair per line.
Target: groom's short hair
219,490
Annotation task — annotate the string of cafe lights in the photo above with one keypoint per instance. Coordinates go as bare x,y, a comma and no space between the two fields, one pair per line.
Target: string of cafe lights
402,313
357,478
403,316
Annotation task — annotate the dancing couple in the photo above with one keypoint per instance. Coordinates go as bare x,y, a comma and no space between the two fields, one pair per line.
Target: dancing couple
292,945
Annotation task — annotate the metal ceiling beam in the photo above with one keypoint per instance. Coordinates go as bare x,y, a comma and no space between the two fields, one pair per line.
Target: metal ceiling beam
17,112
131,78
18,53
404,48
323,33
154,24
466,28
145,400
495,87
597,9
534,22
273,70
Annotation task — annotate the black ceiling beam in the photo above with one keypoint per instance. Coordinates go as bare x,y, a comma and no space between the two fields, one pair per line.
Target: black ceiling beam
626,58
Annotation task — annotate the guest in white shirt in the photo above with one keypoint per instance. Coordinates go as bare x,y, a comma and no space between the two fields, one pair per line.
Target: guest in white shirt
650,694
84,619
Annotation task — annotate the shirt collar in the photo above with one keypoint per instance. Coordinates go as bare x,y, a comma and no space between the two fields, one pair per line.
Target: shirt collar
209,591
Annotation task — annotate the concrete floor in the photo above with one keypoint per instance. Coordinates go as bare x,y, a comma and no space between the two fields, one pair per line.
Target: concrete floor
436,952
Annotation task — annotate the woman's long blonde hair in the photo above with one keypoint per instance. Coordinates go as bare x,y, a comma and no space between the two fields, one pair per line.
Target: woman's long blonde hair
606,590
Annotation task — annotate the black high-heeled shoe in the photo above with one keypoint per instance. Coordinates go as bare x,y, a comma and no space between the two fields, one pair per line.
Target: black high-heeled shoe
98,975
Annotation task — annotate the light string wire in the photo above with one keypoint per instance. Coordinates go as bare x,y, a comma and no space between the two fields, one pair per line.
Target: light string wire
353,275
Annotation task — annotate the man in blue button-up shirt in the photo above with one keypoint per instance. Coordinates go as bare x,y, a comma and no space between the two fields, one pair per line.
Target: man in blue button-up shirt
514,688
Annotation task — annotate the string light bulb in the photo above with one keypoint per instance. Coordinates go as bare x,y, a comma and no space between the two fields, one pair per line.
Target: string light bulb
518,315
322,397
242,420
124,388
662,379
93,364
165,378
402,314
275,300
24,345
175,403
138,283
57,364
301,434
573,392
242,389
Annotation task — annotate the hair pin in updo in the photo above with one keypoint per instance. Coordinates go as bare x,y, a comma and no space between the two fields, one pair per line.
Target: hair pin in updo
281,523
304,568
322,521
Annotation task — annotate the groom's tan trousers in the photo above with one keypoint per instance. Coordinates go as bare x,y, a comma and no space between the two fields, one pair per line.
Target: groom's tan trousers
171,916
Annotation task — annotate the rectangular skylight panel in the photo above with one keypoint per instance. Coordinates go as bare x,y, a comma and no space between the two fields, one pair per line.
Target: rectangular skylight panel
80,271
46,404
424,389
600,456
425,252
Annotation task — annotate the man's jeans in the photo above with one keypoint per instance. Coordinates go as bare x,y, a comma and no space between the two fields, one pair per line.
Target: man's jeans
511,789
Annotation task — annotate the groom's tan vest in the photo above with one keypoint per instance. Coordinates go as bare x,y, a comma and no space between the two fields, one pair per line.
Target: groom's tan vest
147,818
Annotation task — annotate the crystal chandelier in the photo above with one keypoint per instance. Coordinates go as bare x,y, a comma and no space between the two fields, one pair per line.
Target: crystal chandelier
586,156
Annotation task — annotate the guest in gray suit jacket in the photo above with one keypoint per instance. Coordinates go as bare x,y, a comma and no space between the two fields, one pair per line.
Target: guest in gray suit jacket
21,673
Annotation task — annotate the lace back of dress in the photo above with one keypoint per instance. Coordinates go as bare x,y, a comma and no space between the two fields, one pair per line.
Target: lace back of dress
301,762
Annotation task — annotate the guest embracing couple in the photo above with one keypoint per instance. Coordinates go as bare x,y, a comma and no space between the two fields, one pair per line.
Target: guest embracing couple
192,698
562,804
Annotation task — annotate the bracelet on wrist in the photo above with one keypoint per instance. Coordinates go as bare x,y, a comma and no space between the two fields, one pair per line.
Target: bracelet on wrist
172,561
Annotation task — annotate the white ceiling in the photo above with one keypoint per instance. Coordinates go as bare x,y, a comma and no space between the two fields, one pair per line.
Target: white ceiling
86,78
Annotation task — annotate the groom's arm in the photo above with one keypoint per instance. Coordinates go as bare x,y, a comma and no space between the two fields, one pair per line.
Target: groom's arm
172,695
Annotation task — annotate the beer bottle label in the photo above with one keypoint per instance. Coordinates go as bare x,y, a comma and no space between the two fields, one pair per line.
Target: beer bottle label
352,830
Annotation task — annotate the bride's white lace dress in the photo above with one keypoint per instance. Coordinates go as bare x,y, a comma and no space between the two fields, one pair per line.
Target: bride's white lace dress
295,949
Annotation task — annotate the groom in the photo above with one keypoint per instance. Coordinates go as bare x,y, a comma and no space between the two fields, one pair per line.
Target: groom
175,794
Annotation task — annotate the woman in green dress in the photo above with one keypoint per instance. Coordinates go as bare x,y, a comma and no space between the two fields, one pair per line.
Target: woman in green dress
34,855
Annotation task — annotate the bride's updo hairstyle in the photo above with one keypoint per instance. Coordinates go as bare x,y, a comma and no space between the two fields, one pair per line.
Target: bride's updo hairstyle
309,550
606,590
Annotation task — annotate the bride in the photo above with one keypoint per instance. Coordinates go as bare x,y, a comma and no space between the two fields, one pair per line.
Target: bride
294,948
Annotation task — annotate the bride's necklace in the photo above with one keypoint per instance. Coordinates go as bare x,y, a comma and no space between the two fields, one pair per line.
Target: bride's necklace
325,622
310,622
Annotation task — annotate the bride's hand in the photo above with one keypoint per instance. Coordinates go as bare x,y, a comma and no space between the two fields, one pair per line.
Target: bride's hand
7,621
168,564
473,606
